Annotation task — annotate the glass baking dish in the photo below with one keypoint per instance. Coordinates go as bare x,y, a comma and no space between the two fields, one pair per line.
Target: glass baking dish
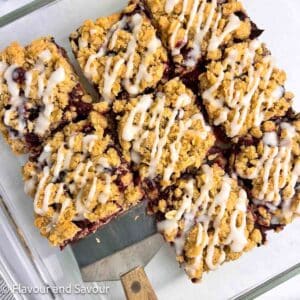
27,259
7,6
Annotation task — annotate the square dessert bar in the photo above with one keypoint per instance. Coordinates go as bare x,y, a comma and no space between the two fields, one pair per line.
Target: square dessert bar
207,219
270,169
79,181
120,54
243,89
164,133
196,30
39,92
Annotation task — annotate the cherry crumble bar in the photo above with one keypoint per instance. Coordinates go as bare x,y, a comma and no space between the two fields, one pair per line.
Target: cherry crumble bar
207,219
79,181
172,75
244,89
121,54
194,31
270,168
39,93
164,133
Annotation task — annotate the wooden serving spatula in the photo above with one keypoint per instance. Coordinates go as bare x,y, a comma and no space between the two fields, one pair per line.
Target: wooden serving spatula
120,251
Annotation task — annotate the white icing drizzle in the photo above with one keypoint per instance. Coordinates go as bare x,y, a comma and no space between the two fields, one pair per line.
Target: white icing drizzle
47,197
89,142
267,101
135,132
45,56
92,192
81,209
45,155
59,161
142,74
201,31
160,143
47,193
104,196
42,182
103,165
203,27
28,80
215,41
43,120
234,100
172,225
270,139
276,169
82,43
81,178
16,101
113,68
3,67
176,50
93,31
221,201
236,238
170,5
59,193
206,215
167,226
175,147
29,185
41,84
65,204
130,130
110,78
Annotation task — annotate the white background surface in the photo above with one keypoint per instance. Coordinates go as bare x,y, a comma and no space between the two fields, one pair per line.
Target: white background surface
282,24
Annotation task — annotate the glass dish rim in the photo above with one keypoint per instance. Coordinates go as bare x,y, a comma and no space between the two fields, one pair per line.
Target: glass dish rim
252,292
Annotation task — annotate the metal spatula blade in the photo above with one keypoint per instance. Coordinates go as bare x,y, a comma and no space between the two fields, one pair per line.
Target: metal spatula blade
124,246
112,267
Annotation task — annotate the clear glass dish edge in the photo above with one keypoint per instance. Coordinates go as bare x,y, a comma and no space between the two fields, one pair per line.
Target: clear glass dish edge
250,293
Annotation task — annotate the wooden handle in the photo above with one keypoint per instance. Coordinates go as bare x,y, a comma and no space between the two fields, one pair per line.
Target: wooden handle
137,286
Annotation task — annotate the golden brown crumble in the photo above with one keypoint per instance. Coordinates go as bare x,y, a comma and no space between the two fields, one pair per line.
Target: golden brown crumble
79,176
179,24
37,84
273,167
163,133
244,89
207,219
120,53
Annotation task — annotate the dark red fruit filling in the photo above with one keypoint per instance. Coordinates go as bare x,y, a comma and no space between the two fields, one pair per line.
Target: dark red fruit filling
33,113
77,92
255,31
32,140
83,109
88,227
121,172
18,75
87,129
